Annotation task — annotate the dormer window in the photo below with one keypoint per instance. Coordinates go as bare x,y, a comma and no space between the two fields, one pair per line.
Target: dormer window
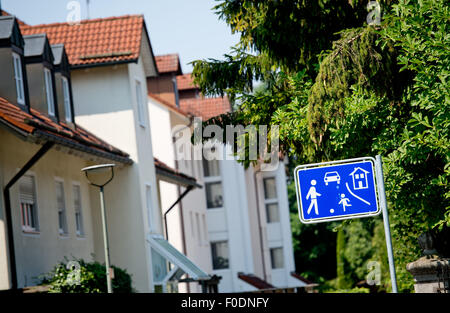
66,94
49,92
18,76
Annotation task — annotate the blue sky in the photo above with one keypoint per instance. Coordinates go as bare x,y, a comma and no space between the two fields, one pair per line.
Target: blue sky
187,27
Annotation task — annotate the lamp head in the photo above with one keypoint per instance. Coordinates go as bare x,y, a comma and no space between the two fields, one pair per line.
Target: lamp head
99,175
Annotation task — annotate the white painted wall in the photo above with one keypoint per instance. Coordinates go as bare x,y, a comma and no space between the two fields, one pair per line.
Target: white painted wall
38,253
231,223
106,104
162,121
278,234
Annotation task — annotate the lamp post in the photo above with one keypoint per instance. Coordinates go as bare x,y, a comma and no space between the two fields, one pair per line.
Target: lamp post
99,176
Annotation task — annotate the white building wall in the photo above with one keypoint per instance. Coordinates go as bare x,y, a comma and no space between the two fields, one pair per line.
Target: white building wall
231,223
278,234
163,122
37,254
105,104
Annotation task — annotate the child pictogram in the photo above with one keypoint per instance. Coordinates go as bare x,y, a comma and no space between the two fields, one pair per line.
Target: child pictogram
344,201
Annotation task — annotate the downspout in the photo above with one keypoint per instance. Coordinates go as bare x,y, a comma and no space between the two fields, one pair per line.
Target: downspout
189,188
259,226
12,256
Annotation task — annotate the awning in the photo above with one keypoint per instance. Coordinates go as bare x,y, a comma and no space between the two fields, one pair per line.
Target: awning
181,264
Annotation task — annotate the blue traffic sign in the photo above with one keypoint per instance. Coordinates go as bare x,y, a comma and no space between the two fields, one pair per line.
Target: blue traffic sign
336,190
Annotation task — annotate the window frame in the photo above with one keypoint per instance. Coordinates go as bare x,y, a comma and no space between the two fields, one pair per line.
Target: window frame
82,232
49,92
272,258
67,99
213,180
140,104
61,231
228,257
269,201
26,230
18,78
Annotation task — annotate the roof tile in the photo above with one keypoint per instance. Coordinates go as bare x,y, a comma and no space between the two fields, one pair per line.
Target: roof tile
206,107
103,40
168,63
185,82
255,281
34,121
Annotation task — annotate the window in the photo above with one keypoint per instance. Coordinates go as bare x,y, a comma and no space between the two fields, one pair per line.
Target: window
211,168
270,200
276,258
205,228
148,199
191,219
219,251
66,93
140,104
28,204
78,210
49,92
61,204
213,184
18,77
214,195
199,233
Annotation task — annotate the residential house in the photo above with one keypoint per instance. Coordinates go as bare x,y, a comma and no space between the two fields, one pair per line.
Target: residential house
46,212
186,225
93,77
247,212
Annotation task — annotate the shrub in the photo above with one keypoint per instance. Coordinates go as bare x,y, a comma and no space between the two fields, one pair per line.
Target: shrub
88,277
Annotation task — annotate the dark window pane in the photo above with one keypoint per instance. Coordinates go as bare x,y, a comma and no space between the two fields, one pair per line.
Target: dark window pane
211,168
220,255
214,195
270,188
272,213
276,257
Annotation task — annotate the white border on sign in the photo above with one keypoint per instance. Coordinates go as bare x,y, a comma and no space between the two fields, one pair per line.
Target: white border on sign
342,217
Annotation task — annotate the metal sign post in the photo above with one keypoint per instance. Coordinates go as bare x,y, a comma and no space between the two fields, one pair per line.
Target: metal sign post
344,189
387,229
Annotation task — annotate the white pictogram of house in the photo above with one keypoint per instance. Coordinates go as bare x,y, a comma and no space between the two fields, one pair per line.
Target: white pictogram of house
359,176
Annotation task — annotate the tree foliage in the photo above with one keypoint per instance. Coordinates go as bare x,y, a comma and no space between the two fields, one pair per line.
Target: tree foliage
339,88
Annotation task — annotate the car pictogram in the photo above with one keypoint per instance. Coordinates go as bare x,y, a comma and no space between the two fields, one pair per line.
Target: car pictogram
331,177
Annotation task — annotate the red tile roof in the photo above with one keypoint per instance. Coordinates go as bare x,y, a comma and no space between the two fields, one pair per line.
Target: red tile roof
206,107
168,63
168,104
185,82
4,13
301,278
161,166
38,125
255,281
103,40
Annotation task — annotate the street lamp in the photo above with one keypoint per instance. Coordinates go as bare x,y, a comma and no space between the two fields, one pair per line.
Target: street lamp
99,176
